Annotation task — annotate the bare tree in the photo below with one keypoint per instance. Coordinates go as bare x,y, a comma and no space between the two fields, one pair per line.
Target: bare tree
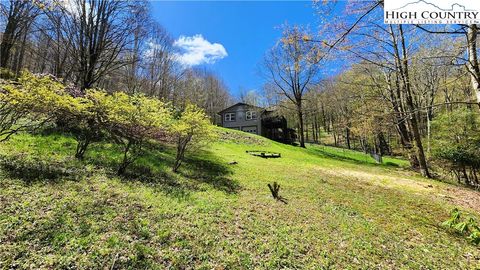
202,88
19,15
292,65
159,66
393,56
251,97
141,23
101,31
402,61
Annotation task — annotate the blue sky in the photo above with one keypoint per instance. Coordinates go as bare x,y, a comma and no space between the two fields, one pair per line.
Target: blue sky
246,30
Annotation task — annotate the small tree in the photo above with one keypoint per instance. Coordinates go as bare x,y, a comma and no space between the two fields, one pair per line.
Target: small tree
87,121
191,130
134,119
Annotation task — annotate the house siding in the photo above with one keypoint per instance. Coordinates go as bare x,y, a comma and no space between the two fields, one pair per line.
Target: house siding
241,122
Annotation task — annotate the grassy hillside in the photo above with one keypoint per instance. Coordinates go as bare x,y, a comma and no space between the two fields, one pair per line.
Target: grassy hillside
343,211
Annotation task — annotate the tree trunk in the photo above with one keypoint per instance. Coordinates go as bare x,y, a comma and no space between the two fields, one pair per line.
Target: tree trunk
383,146
307,139
473,66
8,40
126,161
82,148
181,147
326,127
21,54
347,137
300,123
411,107
429,132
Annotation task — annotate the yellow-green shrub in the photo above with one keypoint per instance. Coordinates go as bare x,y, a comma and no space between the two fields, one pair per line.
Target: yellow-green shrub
85,122
7,74
31,102
191,130
132,120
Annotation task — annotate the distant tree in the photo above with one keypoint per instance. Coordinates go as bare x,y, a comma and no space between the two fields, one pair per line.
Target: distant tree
217,96
202,88
141,24
101,32
159,66
19,16
251,97
53,44
293,66
472,63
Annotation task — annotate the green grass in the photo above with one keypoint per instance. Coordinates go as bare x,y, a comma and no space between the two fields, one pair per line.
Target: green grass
355,156
343,212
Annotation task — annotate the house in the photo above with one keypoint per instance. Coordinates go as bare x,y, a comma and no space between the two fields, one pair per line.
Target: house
257,120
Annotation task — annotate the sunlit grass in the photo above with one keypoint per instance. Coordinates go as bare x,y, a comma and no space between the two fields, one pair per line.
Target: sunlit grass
343,212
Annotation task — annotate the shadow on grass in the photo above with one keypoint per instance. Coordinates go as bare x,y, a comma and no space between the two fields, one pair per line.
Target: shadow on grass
154,167
49,157
33,168
207,168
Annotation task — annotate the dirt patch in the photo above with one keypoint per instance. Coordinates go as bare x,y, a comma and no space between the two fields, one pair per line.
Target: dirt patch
239,138
464,197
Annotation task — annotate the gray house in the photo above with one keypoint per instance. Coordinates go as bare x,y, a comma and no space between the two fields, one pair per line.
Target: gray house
242,116
257,120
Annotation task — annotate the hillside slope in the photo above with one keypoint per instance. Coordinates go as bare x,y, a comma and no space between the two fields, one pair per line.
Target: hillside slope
343,211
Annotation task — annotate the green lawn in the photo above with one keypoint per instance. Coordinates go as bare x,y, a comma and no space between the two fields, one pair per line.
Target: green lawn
343,211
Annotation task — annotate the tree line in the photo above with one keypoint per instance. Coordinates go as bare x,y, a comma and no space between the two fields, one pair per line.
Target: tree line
409,90
114,45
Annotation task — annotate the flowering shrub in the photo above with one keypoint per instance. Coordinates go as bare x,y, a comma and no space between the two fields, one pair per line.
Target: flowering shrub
129,120
191,130
30,103
132,120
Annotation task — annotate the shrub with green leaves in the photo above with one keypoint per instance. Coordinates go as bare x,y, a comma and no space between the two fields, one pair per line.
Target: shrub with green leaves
465,226
30,103
191,130
86,121
7,74
129,120
132,120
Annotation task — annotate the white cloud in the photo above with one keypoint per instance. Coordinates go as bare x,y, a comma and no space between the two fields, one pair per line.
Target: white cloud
153,49
196,50
74,7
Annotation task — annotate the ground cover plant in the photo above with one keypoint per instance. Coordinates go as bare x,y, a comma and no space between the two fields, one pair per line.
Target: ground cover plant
341,213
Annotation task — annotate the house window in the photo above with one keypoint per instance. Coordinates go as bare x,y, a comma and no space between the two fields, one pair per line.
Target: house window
251,115
229,117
